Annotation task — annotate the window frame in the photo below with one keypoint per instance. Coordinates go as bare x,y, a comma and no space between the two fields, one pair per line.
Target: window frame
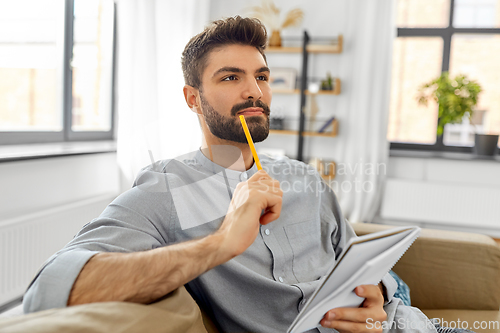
446,34
67,134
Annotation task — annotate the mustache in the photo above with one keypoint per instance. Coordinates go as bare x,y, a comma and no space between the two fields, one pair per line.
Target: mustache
249,104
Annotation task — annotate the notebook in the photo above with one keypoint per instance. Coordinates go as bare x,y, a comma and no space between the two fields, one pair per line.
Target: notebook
366,260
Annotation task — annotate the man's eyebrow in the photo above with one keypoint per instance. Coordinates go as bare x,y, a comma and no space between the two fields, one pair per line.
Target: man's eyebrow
229,69
263,69
239,70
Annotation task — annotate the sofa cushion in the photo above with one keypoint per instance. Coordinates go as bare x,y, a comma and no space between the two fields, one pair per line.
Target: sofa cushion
449,270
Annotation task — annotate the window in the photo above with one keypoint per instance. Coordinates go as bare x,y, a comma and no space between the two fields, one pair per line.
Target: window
56,70
434,36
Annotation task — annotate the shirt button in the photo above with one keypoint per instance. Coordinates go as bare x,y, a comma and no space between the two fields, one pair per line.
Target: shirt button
267,232
244,175
281,279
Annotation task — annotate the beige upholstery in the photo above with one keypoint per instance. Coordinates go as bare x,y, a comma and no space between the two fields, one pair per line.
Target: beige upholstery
177,312
451,275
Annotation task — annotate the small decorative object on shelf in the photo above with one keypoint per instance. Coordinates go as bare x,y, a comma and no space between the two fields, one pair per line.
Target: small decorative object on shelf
327,84
277,120
326,168
283,79
312,107
327,124
269,14
275,39
276,123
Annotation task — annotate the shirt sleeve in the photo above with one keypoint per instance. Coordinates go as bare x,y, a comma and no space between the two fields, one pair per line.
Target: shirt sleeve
405,319
52,285
390,287
137,220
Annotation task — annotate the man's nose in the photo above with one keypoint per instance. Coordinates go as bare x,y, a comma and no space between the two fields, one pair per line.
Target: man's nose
252,90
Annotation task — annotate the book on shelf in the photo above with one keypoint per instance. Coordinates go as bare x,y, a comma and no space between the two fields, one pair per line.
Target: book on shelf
326,125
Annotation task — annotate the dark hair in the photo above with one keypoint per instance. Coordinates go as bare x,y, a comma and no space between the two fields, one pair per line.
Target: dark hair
232,30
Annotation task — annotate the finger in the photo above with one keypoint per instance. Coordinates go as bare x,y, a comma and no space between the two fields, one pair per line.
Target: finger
372,294
273,210
267,185
261,174
345,326
274,187
357,314
349,314
240,196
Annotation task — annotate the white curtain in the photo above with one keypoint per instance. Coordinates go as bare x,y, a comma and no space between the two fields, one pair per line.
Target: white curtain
152,114
363,154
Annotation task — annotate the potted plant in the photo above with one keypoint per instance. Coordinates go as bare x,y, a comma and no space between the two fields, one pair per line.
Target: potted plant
456,98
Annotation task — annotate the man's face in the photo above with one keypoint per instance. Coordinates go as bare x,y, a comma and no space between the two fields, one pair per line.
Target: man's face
236,82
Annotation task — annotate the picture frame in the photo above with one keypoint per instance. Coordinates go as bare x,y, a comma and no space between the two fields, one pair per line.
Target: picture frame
283,78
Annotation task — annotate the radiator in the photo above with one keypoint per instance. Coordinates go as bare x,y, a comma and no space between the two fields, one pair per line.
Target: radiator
476,208
27,241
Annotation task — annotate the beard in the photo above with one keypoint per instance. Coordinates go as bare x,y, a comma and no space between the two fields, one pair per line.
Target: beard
229,128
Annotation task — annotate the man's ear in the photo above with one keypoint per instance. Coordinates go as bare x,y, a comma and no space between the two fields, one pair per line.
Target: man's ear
191,96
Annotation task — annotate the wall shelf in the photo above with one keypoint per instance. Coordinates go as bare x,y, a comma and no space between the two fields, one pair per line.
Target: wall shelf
332,134
336,91
311,48
318,45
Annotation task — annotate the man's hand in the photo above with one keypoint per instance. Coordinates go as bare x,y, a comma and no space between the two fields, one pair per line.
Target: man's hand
260,193
362,319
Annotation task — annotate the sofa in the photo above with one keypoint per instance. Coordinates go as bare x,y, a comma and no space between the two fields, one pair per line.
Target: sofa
453,276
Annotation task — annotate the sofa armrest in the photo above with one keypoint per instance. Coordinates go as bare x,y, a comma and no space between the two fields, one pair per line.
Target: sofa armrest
448,269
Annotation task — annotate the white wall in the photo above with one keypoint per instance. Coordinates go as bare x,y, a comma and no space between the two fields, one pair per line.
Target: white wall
44,203
33,185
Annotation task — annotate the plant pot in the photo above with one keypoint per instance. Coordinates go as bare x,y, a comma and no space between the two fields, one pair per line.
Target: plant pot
485,144
275,39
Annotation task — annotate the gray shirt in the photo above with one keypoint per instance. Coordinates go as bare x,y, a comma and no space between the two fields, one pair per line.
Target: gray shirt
172,201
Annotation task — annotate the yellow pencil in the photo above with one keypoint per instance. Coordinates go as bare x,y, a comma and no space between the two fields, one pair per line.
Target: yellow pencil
250,142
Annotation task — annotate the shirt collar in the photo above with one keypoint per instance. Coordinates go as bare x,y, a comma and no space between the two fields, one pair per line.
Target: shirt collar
214,168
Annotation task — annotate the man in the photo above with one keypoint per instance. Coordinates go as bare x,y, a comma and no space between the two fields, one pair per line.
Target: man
250,252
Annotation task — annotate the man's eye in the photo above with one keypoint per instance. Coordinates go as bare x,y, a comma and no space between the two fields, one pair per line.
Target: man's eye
262,78
229,78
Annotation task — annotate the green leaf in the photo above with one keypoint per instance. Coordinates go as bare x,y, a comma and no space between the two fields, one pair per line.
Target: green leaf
455,97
